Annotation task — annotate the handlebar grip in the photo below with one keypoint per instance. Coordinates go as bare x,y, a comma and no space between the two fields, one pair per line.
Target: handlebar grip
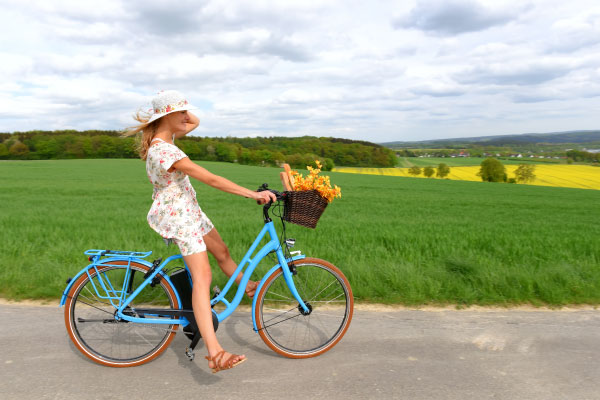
278,195
265,187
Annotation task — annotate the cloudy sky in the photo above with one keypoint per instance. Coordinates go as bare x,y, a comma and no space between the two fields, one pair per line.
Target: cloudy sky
372,70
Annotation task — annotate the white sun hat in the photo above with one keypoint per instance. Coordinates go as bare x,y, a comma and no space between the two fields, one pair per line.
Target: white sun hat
168,101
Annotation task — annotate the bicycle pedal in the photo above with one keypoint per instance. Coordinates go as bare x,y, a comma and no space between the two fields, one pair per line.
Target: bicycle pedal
190,354
216,291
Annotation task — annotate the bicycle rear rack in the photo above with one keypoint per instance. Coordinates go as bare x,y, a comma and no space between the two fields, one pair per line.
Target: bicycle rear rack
117,253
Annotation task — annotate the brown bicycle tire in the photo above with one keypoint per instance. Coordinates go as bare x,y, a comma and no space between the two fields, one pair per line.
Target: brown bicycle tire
83,349
259,323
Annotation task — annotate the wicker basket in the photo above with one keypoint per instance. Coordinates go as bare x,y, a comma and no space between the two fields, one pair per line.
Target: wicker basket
304,207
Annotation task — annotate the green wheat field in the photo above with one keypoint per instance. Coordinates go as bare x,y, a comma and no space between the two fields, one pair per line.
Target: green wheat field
398,240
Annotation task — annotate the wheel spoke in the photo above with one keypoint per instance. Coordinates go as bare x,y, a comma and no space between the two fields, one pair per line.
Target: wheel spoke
278,322
93,306
322,290
280,295
95,297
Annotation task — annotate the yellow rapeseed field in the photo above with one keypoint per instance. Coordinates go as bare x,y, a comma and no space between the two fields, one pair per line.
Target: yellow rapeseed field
573,176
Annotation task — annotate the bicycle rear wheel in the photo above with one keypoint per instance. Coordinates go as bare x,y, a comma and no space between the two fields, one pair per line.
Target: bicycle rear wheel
93,328
284,326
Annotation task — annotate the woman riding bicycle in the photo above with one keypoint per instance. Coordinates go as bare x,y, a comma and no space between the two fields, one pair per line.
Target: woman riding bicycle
176,215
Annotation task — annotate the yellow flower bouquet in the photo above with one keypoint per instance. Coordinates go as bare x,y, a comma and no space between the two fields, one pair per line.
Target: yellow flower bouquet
314,181
307,197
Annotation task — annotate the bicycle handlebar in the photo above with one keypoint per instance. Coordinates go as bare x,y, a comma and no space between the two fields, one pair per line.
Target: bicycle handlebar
280,196
265,187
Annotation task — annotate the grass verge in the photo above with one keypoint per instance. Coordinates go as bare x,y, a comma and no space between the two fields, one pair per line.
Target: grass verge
399,240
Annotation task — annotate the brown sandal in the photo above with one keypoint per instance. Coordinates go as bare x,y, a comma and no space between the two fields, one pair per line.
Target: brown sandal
228,364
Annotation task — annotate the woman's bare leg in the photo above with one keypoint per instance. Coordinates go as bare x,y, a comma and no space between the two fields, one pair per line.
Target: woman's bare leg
199,268
217,247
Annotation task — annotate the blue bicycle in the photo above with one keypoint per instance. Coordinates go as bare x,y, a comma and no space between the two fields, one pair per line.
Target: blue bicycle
123,311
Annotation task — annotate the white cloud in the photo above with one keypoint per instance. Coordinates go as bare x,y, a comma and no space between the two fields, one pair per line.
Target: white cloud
451,17
514,72
377,70
576,32
436,89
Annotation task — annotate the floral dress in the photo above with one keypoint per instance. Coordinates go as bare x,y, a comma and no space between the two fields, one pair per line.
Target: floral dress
175,213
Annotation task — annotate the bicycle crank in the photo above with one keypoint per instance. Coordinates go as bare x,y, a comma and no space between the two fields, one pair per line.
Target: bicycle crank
190,353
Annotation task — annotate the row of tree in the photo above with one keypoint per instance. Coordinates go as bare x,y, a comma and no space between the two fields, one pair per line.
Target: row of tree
570,155
441,171
583,156
298,152
492,170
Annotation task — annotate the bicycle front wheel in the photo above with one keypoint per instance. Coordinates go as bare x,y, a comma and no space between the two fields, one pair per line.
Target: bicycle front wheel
90,317
290,331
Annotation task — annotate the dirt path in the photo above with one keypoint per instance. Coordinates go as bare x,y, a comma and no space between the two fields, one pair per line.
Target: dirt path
410,354
371,307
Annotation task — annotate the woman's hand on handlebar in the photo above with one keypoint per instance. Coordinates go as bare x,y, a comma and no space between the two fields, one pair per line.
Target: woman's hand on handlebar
264,197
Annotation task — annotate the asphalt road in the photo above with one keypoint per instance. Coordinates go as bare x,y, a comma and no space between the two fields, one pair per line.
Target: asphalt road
403,354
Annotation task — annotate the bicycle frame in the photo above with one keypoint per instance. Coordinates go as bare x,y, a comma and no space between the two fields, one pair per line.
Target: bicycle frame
249,262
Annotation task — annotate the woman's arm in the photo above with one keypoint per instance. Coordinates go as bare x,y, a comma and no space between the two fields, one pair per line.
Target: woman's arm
189,126
192,169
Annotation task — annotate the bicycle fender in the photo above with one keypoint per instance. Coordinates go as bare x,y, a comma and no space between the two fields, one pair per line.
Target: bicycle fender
101,262
262,282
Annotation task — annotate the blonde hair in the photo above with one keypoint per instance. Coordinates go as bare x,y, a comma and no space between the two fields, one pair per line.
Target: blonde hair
148,130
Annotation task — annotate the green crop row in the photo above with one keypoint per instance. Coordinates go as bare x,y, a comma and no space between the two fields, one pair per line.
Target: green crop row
399,240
